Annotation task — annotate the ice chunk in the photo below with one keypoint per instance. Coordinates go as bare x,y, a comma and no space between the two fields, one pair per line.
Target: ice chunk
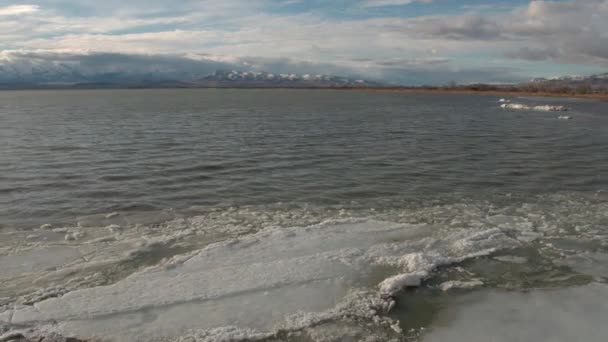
455,284
396,283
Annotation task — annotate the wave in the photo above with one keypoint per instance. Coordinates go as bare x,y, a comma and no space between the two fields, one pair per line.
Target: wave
543,108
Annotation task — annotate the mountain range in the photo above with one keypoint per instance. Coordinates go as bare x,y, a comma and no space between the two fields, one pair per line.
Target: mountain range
67,77
143,75
593,82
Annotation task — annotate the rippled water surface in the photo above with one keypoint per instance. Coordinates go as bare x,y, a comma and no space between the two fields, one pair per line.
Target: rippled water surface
72,153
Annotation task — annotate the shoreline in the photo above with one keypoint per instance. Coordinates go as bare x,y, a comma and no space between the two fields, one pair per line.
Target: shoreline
599,96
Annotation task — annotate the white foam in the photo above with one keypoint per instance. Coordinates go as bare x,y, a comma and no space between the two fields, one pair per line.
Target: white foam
543,108
549,108
514,106
566,315
260,280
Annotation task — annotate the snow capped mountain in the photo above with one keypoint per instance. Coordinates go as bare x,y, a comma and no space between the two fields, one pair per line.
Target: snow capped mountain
585,84
140,72
228,77
576,78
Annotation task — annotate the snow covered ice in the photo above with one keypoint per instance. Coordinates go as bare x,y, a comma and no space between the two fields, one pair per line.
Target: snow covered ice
213,277
258,281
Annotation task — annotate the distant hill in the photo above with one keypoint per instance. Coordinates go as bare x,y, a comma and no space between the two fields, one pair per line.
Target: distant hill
217,79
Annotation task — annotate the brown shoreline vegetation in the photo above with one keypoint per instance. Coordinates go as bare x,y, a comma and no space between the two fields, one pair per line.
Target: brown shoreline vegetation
476,89
496,90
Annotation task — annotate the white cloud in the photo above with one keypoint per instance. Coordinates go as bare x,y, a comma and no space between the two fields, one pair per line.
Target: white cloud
18,10
573,31
380,3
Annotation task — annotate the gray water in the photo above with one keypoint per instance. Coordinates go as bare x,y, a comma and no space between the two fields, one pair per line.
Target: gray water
66,154
155,215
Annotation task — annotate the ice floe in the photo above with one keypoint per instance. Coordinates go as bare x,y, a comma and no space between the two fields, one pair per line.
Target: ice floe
456,284
262,280
321,277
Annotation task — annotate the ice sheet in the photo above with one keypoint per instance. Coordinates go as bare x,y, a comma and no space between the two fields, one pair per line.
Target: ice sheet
260,280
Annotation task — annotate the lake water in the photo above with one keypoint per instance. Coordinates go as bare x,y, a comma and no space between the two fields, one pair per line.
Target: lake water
300,215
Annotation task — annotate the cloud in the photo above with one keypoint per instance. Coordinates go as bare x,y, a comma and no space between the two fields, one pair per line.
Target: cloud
15,10
565,32
412,62
44,66
381,3
36,67
464,27
533,54
444,74
270,34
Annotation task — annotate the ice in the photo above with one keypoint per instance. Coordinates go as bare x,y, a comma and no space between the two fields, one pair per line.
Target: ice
5,317
276,278
36,259
225,334
455,284
565,315
289,279
398,282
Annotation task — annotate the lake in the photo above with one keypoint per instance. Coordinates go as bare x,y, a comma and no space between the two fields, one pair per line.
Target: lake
301,215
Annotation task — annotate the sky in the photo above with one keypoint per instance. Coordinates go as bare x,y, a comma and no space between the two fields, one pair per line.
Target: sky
411,42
